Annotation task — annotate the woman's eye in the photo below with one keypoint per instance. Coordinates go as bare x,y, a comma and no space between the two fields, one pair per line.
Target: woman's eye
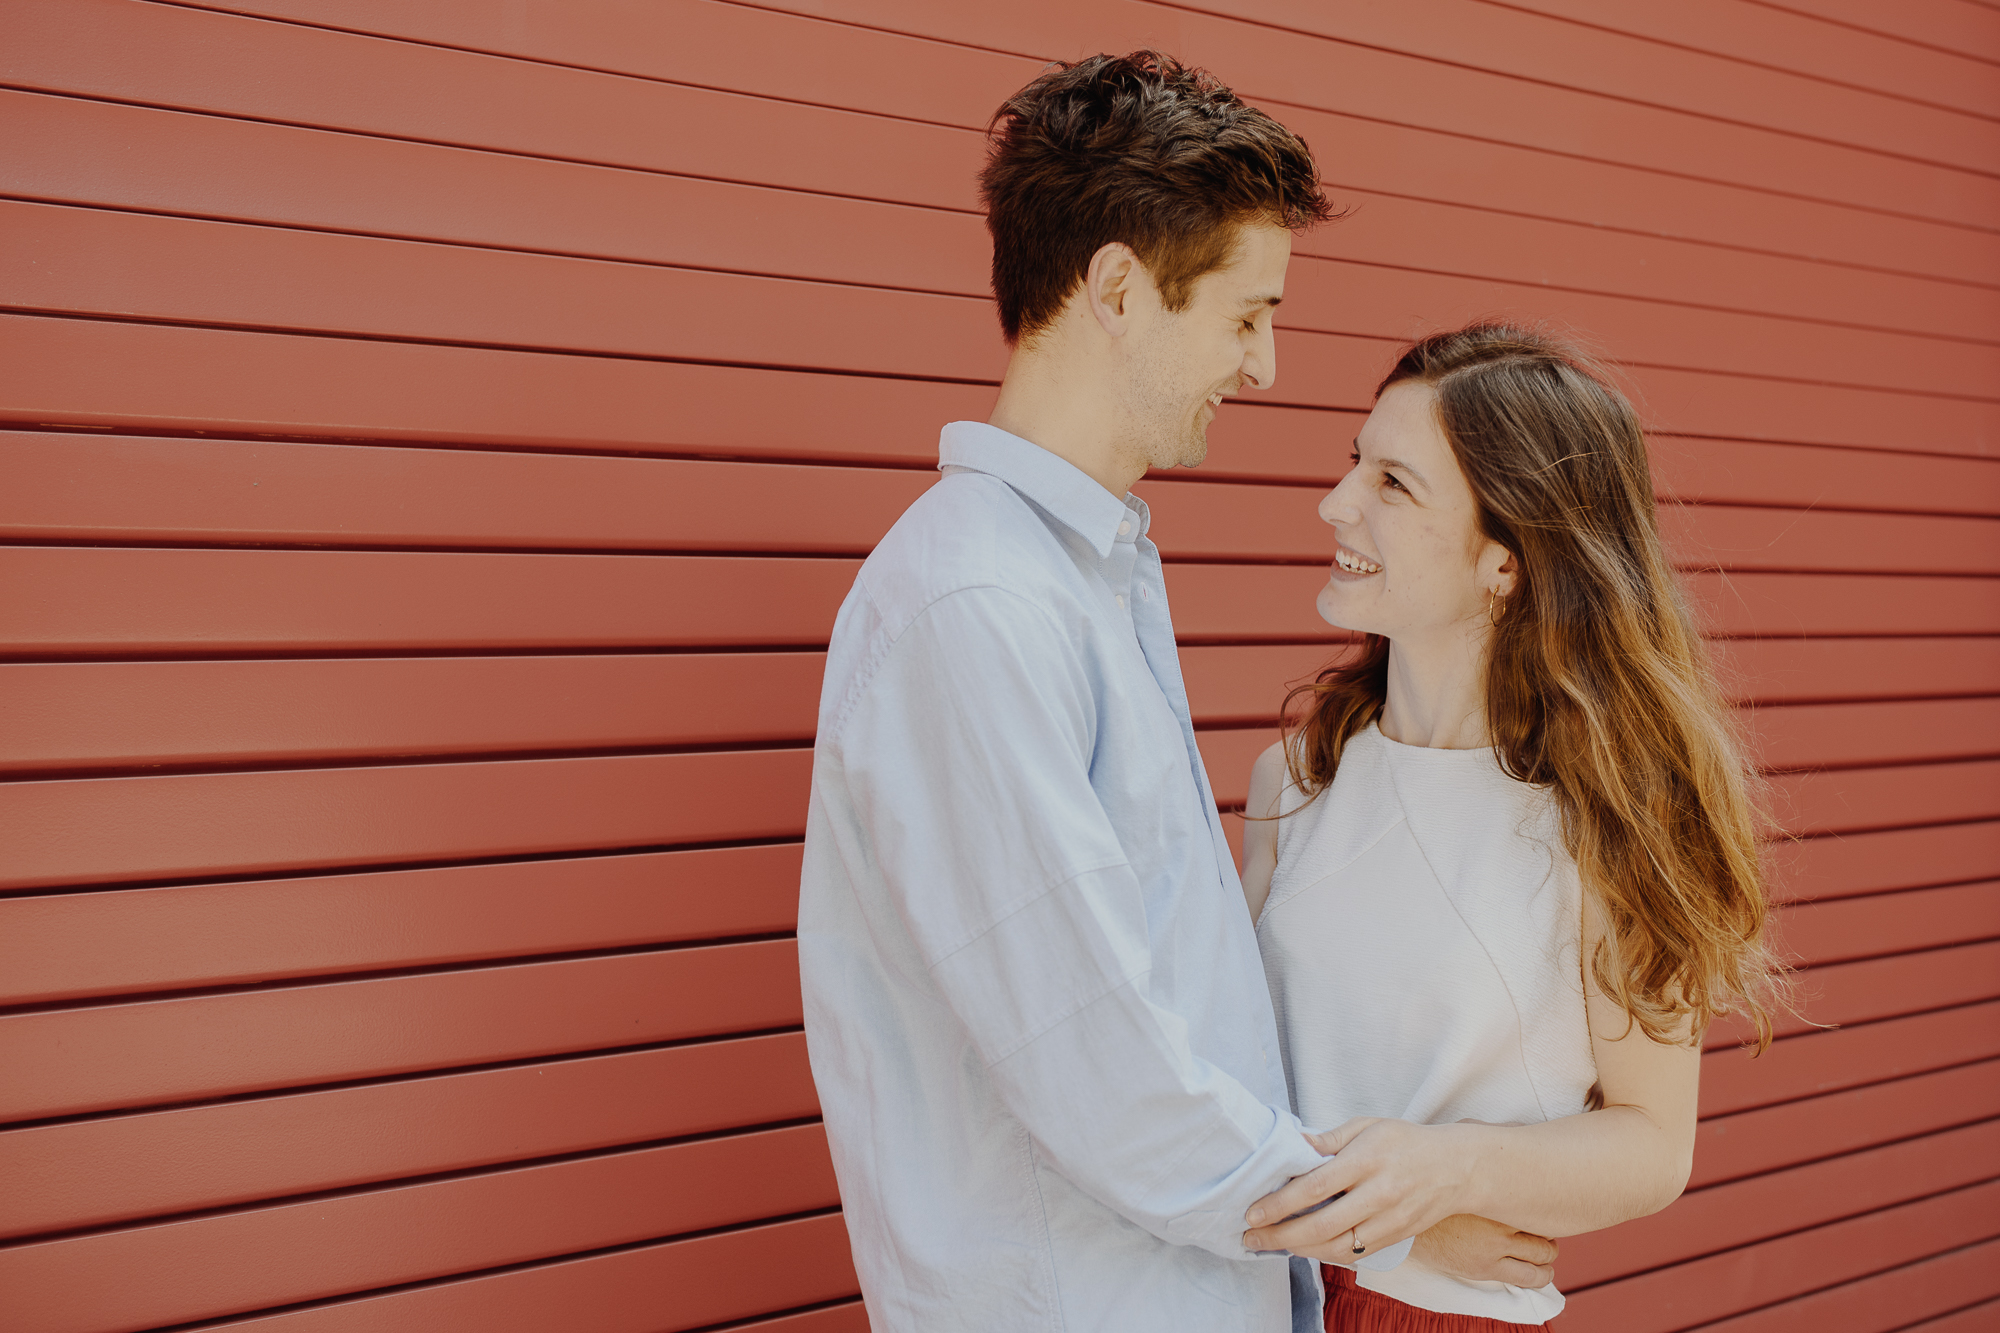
1390,477
1355,458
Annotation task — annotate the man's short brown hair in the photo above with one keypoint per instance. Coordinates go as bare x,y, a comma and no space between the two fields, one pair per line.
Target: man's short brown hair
1139,149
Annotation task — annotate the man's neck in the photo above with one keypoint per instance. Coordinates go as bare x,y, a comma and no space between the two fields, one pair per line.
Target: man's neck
1068,407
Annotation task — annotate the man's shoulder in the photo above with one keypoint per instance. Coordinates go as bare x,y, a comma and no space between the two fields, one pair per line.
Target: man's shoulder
970,551
969,531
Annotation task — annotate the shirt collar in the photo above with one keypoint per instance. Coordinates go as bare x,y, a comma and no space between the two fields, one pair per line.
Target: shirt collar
1057,485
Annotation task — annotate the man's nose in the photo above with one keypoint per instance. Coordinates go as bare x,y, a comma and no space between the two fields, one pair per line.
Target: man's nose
1260,364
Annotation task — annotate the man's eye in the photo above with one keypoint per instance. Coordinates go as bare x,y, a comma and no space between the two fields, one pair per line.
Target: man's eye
1355,458
1390,477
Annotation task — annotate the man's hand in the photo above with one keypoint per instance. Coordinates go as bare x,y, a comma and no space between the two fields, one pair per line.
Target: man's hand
1483,1251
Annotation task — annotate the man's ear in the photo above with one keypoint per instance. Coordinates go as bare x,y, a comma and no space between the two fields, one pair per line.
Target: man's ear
1108,286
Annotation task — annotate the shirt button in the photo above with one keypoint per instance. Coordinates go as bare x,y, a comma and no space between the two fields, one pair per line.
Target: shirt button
1124,528
1121,599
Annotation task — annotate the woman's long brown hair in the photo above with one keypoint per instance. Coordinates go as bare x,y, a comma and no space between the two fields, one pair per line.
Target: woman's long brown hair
1597,685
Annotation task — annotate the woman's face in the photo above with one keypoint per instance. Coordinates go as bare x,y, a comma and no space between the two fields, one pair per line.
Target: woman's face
1412,563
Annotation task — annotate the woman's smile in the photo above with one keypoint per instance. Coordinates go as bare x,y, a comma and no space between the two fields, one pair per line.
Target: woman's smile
1351,564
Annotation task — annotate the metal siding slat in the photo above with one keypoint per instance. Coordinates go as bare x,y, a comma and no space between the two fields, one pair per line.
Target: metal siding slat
1849,928
1858,799
99,1172
152,1052
1558,61
1851,864
227,381
140,490
1472,237
1758,33
208,1267
1752,1142
1871,990
128,265
72,946
1855,734
108,155
1805,605
75,716
1746,472
1739,1215
62,149
1971,29
1706,1289
1289,66
1887,1300
1791,671
185,59
1689,403
81,260
1736,537
58,601
231,381
1542,51
1973,1319
1336,297
100,830
651,1289
1822,1062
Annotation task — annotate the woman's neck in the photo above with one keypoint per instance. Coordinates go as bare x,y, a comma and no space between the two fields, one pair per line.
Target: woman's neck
1437,694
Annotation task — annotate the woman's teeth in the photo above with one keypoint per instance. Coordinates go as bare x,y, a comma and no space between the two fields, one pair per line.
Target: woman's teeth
1354,564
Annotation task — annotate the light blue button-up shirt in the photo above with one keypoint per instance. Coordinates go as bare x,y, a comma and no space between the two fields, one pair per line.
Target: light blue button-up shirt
1036,1015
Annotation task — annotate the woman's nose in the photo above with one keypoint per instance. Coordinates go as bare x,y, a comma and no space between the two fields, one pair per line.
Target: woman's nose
1333,506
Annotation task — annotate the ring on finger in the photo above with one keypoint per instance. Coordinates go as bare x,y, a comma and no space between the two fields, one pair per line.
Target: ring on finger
1354,1240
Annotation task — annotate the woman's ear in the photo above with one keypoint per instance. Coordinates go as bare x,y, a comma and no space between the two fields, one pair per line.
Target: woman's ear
1501,568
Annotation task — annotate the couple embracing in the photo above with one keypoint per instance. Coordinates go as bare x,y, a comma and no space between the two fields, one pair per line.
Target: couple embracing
1077,1072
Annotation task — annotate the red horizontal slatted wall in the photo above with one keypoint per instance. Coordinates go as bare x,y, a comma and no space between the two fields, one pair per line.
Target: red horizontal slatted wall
434,440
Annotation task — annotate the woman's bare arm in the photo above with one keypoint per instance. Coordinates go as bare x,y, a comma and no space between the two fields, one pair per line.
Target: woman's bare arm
1580,1173
1260,835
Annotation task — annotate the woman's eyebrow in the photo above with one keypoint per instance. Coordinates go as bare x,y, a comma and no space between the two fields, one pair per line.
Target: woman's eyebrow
1397,462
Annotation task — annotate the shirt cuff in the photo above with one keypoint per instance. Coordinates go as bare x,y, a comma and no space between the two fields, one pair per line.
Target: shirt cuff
1283,1154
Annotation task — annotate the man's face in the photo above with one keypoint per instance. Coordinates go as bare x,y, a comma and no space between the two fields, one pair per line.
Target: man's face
1185,363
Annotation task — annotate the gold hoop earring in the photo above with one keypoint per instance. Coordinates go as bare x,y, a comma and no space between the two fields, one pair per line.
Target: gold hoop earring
1493,607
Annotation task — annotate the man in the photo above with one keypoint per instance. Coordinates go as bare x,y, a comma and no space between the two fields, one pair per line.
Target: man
1036,1013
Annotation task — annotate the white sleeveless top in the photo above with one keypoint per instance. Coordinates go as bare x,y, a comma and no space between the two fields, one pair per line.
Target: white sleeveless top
1423,944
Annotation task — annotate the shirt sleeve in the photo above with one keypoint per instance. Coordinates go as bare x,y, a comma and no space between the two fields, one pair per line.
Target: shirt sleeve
967,755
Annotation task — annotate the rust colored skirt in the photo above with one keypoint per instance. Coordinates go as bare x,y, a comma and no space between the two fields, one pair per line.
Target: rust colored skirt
1355,1309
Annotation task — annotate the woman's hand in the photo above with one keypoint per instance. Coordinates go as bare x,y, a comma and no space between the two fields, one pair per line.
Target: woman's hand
1386,1180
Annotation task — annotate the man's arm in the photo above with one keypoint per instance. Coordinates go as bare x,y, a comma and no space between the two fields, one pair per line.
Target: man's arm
967,762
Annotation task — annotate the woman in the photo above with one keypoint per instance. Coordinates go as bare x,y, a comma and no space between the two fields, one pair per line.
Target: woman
1505,871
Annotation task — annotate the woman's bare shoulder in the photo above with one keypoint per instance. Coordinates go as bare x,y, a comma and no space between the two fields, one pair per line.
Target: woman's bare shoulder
1267,780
